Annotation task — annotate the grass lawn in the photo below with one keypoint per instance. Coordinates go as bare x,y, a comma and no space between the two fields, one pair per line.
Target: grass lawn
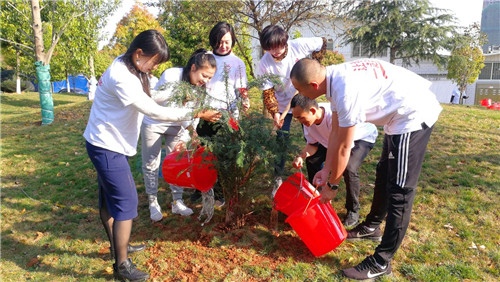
50,227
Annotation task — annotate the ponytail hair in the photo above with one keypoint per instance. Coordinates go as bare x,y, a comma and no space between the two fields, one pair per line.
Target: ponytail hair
152,43
199,59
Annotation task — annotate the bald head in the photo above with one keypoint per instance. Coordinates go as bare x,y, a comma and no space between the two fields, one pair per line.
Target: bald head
309,78
305,71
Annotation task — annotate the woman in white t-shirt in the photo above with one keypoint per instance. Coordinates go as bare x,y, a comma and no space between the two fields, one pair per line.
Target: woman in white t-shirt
199,69
122,99
226,88
281,54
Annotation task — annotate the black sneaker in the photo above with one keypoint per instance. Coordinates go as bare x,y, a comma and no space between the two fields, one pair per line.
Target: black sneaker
368,269
127,270
219,197
351,219
362,232
196,196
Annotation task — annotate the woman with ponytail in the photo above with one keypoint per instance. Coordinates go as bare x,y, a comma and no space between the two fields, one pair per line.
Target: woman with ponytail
198,71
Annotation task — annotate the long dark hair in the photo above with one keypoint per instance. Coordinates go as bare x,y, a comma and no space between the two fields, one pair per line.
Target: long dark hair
218,31
199,59
152,43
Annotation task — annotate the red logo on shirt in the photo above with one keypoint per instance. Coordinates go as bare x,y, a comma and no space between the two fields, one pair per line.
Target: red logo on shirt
364,65
100,79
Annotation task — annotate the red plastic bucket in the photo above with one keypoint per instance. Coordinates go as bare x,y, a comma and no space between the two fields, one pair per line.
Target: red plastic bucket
319,228
495,106
486,102
294,194
190,169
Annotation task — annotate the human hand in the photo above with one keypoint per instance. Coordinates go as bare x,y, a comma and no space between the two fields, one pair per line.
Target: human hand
246,104
277,121
180,146
298,162
321,177
195,141
327,194
210,115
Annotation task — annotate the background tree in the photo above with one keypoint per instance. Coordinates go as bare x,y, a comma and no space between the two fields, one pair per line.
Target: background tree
52,18
16,47
467,59
412,30
134,22
189,22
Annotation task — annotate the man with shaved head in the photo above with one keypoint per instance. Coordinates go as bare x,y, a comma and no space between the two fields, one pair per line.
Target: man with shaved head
369,90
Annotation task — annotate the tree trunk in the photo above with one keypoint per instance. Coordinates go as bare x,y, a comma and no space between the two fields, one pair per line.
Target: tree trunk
42,67
18,77
37,31
392,56
68,86
91,65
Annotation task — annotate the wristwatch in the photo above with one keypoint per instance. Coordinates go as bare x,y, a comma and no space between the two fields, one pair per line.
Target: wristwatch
333,186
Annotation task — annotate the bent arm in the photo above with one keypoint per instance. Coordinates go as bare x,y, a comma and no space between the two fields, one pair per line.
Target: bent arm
339,149
309,150
150,108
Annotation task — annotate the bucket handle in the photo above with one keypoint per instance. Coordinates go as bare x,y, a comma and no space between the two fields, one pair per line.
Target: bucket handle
315,189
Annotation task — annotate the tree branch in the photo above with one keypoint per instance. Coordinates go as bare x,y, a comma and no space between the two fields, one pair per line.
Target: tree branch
28,53
55,39
27,35
14,7
17,44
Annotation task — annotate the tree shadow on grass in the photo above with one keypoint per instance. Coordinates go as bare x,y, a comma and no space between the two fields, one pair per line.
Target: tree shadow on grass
54,240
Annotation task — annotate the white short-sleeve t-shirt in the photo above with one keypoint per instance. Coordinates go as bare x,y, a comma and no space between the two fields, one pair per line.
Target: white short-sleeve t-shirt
113,124
297,49
381,93
320,133
222,97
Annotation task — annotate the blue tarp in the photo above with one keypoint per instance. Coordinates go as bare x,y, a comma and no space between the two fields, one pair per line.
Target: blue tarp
78,84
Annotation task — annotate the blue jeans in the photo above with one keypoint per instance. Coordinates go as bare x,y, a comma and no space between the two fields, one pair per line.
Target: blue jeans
282,136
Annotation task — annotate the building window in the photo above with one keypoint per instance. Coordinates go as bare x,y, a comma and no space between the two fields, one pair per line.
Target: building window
495,73
358,50
486,71
329,44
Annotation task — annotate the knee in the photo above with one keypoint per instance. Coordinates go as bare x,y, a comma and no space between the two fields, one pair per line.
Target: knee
351,171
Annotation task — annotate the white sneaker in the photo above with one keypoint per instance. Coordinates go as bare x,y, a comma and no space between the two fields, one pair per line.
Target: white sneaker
178,207
155,211
277,184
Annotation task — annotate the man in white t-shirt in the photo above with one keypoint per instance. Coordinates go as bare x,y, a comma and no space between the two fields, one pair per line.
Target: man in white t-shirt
369,90
455,96
317,125
281,54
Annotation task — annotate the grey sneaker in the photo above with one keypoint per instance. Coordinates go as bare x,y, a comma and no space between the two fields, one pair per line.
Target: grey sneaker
178,207
155,211
363,232
368,269
351,219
